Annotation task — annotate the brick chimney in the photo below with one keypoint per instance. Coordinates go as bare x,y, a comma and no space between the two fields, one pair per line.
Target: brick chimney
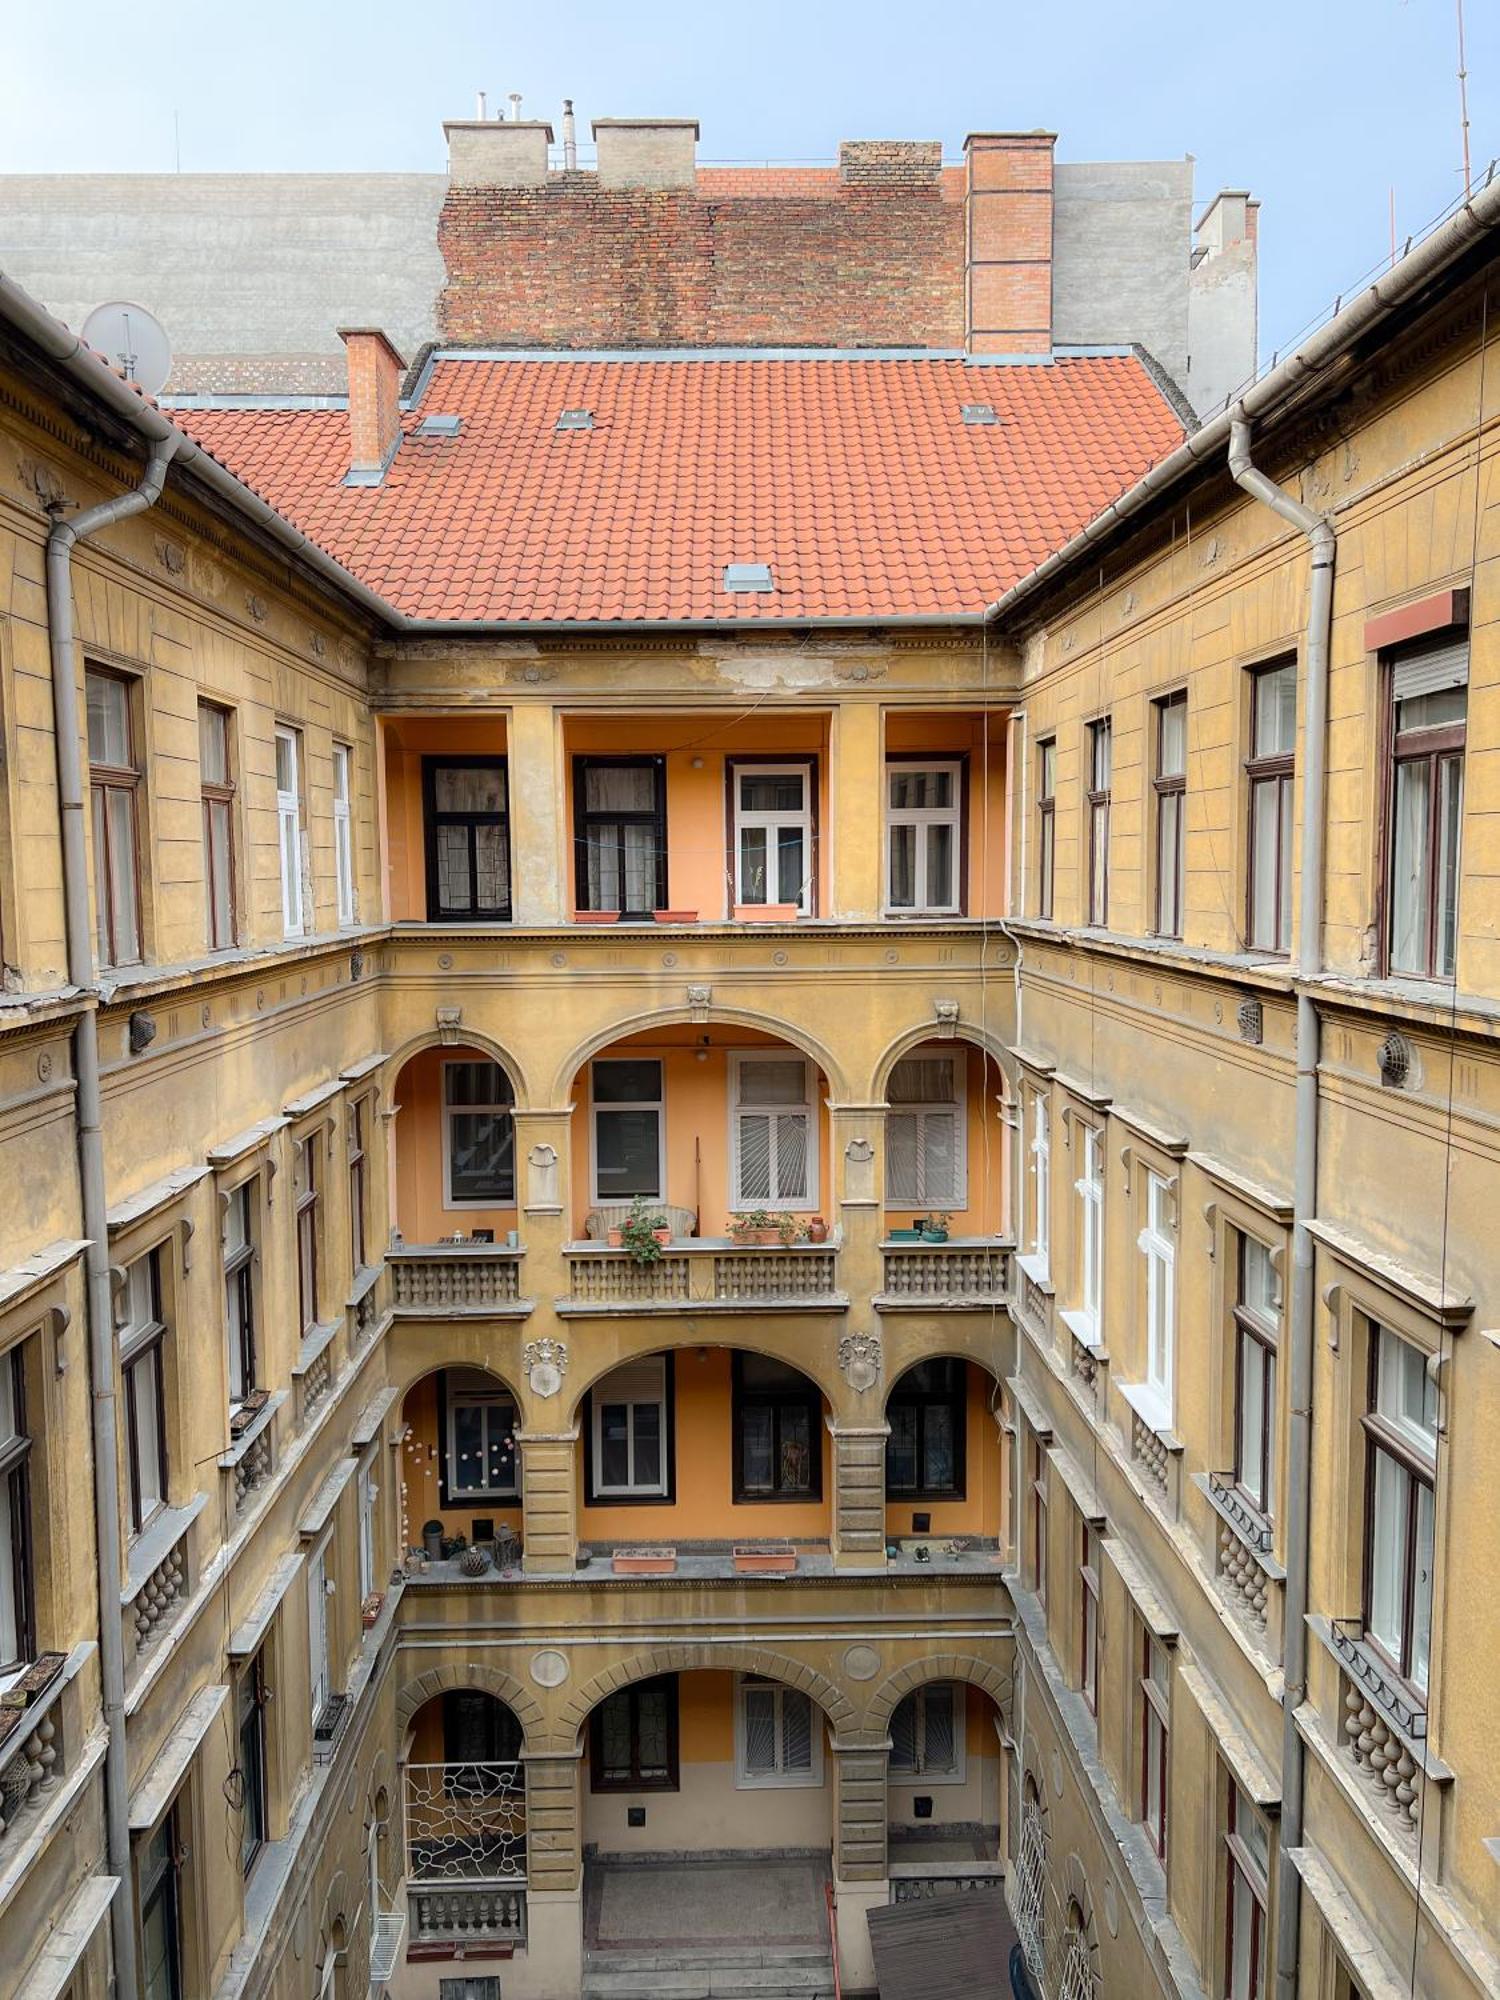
1008,242
497,152
375,370
647,152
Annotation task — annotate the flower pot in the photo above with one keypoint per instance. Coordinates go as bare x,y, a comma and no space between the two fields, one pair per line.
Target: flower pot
616,1239
764,1558
675,916
817,1230
369,1610
596,916
765,913
644,1562
905,1235
40,1675
663,1236
934,1236
755,1239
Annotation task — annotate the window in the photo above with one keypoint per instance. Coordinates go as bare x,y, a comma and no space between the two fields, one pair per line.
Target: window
1247,1846
317,1628
633,1738
17,1635
1257,1314
924,1132
1077,1981
778,1735
1273,741
1031,1879
216,782
161,1918
1039,1519
142,1339
479,1729
1041,1181
927,1733
923,837
1170,786
485,1987
1156,1689
238,1239
620,834
778,1432
479,1438
775,1156
924,1453
1046,809
305,1205
630,1432
468,837
369,1493
628,1137
113,784
1158,1245
1101,765
343,831
1401,1462
1089,1187
773,834
1429,713
359,1174
250,1705
1088,1584
479,1154
289,830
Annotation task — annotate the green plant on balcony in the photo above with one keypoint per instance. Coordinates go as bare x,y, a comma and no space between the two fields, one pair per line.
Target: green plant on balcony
644,1232
761,1226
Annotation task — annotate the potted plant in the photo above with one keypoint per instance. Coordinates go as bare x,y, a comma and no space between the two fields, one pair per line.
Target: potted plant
788,1230
934,1227
644,1232
764,1558
644,1562
369,1610
754,1226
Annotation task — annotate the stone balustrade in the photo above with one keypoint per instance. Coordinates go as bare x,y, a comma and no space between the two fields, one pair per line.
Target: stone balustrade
441,1280
937,1277
468,1913
1149,1453
701,1276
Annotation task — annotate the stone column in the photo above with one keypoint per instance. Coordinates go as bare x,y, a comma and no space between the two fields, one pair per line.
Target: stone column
537,857
857,1133
549,1510
856,809
543,1145
554,1874
859,1492
861,1877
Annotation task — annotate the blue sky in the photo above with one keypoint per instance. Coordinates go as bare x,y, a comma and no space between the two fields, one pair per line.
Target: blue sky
1321,107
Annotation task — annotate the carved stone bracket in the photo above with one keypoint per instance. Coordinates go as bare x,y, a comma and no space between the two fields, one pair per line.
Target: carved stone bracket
542,1185
698,1000
947,1017
860,1360
546,1363
449,1021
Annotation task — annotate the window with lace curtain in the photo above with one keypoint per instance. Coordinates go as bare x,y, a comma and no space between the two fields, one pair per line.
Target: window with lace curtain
775,1161
927,1734
778,1737
468,837
924,1132
620,834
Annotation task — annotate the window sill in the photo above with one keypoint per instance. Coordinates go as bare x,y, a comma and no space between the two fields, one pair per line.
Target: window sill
804,1781
1037,1268
1154,1411
151,1546
1084,1328
1252,1530
231,1458
314,1343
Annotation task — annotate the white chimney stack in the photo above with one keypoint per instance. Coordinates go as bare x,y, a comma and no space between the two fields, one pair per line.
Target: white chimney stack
569,136
481,105
515,106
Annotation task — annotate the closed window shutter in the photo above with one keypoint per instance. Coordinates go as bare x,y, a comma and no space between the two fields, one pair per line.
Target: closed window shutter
796,1731
791,1156
902,1144
1431,670
939,1157
755,1156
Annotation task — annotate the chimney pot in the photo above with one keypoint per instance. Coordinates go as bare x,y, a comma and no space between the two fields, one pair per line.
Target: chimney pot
647,152
497,152
375,370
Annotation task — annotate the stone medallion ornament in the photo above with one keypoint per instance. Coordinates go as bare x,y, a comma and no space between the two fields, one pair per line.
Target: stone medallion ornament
861,1663
549,1669
546,1363
859,1357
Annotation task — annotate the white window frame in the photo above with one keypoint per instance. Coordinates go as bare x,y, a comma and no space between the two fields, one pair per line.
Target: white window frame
918,1775
1157,1243
773,822
369,1493
804,1204
470,1397
657,1104
343,833
319,1674
779,1779
633,1489
289,832
1031,1884
923,817
450,1199
1089,1187
958,1103
1040,1150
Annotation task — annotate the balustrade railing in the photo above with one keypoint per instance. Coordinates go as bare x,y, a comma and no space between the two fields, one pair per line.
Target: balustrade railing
31,1751
454,1278
490,1913
1149,1453
701,1275
934,1275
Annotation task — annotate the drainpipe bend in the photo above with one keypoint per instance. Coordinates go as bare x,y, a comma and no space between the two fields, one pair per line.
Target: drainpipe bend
61,541
1313,759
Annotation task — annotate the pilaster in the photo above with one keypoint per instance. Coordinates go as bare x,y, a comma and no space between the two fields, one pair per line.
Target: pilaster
859,1495
856,810
534,772
549,1510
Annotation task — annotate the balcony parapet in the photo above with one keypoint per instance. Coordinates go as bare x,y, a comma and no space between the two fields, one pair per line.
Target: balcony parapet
456,1281
1033,1297
1248,1573
705,1275
965,1274
158,1580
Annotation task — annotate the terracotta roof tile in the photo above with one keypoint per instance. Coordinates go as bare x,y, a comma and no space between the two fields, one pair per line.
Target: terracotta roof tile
857,481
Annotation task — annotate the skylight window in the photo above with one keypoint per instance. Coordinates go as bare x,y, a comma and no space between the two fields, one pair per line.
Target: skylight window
742,576
979,413
440,427
576,420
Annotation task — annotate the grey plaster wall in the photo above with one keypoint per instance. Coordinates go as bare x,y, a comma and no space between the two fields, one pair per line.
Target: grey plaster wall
251,274
1122,232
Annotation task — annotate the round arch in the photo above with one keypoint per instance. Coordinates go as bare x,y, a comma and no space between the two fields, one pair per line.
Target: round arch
687,1657
949,1347
466,1038
428,1364
518,1698
936,1031
738,1017
669,1338
995,1681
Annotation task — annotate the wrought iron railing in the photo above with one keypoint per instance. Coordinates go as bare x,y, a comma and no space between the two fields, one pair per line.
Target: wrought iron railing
465,1822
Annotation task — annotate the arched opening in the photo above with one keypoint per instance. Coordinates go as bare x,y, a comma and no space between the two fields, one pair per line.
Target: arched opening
947,1151
461,1472
455,1178
1028,1898
464,1799
944,1471
945,1786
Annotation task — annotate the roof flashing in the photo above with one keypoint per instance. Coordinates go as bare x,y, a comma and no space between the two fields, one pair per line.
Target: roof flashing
748,577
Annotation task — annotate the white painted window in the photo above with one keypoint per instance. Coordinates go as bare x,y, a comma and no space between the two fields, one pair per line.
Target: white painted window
778,1738
1157,1243
1089,1187
925,1164
927,1734
773,1148
629,1129
142,1340
343,830
1041,1182
773,837
1031,1882
630,1432
289,829
317,1627
481,1438
1401,1438
369,1492
922,836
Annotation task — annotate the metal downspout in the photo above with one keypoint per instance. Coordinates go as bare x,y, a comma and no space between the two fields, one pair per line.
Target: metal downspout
70,788
1314,750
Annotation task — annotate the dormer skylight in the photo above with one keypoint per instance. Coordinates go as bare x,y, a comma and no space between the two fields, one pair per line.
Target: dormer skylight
740,577
576,420
979,413
438,426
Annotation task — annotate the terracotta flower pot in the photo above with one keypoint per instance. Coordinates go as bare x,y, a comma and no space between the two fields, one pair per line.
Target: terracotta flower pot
817,1230
764,1558
644,1562
675,916
616,1239
765,913
663,1236
596,916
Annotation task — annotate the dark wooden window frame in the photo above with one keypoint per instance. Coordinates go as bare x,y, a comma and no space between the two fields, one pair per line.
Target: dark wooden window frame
598,1782
165,1887
15,1470
1248,1326
1276,772
146,1350
1155,1701
1046,834
1238,1860
810,1398
583,818
359,1178
1170,785
1097,908
1039,1519
503,1727
957,1400
668,1498
1433,747
733,766
254,1699
220,794
1380,1437
1088,1633
432,819
923,759
108,778
307,1217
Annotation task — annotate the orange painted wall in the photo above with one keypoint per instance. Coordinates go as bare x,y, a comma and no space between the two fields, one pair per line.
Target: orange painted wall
965,735
705,1718
421,1216
406,742
978,1513
696,1119
705,1509
420,1470
985,1211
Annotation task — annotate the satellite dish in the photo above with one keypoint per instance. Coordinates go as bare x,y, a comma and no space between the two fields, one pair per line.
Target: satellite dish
134,340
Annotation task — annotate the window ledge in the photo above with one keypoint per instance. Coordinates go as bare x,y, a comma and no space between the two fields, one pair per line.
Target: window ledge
1038,1269
1355,1660
314,1344
149,1548
1153,1410
364,1284
1251,1529
229,1459
1085,1329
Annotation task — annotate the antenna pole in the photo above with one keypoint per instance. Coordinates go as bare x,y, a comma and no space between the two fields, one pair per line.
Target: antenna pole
177,138
1463,98
1393,229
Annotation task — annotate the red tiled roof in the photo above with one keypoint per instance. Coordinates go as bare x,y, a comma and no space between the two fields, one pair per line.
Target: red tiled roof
857,481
